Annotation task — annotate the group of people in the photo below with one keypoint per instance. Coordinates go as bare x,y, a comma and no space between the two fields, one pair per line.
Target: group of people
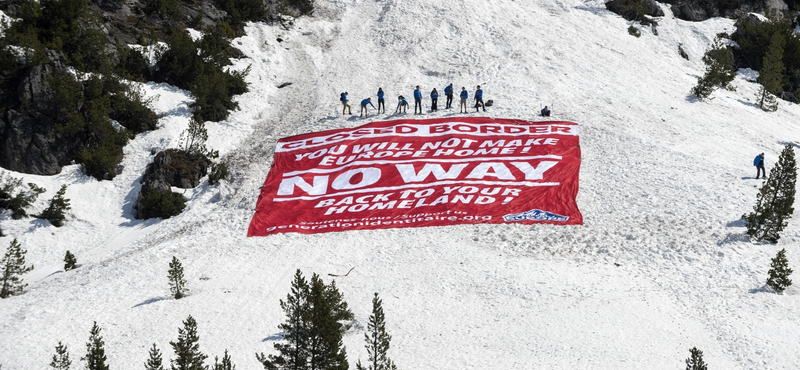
402,103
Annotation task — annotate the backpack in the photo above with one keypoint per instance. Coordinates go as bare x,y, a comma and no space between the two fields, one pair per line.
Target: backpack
489,103
341,97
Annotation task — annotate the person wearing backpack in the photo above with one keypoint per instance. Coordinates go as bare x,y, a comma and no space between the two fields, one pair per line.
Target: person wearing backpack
448,91
380,101
759,163
434,99
345,106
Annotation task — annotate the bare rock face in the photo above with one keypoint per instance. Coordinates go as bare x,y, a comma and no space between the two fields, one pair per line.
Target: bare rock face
27,144
169,168
696,11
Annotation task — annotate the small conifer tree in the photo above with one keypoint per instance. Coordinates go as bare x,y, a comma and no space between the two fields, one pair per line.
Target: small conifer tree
187,349
719,70
193,140
55,211
775,200
771,74
154,361
176,281
61,359
226,363
69,261
779,273
695,360
377,340
12,266
95,352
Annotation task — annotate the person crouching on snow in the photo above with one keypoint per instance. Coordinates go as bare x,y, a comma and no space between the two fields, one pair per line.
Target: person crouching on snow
364,106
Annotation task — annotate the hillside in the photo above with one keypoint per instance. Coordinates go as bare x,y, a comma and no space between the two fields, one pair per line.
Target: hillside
660,265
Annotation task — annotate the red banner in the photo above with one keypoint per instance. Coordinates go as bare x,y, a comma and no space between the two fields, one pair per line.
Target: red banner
411,173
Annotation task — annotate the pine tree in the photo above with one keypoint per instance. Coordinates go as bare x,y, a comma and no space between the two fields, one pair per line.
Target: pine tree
193,140
775,200
377,340
61,358
719,70
695,361
293,353
154,362
55,211
13,266
779,273
176,281
225,364
95,352
326,351
771,74
69,261
187,349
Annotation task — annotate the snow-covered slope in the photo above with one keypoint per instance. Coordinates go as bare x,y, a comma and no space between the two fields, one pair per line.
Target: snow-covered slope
661,264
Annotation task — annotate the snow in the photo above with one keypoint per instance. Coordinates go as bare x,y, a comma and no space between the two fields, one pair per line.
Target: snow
660,266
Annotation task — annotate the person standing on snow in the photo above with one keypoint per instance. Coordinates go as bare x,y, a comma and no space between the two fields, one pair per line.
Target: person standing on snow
545,112
464,95
417,100
434,99
479,99
448,91
402,104
380,101
759,163
345,106
364,106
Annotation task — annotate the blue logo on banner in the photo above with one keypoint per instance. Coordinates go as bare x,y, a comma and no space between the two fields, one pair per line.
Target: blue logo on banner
535,215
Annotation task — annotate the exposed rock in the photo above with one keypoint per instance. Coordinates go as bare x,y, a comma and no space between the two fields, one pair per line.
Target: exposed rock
693,10
27,143
174,168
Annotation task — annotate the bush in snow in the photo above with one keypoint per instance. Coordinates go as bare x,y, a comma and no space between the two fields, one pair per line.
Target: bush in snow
177,284
719,70
695,360
55,211
12,266
219,171
69,261
15,198
775,200
160,204
779,273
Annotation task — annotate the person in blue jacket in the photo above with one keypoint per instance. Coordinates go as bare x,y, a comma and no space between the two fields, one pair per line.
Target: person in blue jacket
759,163
448,91
464,95
364,106
402,104
479,99
434,99
345,106
545,111
417,100
380,101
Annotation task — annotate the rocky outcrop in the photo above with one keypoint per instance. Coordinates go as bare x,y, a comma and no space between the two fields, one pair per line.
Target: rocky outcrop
169,168
636,10
27,143
692,10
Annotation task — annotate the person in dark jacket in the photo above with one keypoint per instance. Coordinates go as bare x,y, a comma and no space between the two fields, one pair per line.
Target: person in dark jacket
417,100
479,99
464,95
545,112
448,91
364,106
345,106
434,99
381,101
402,104
759,163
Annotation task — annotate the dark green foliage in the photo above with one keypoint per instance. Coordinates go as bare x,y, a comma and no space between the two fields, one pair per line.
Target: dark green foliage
55,210
69,261
305,7
154,361
377,340
165,7
193,140
633,31
187,349
95,352
779,272
695,360
226,363
313,328
219,171
682,52
132,63
775,200
12,266
16,198
129,107
719,70
241,11
160,204
61,359
771,75
177,284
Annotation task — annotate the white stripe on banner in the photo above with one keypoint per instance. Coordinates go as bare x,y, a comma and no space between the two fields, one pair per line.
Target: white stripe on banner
409,186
